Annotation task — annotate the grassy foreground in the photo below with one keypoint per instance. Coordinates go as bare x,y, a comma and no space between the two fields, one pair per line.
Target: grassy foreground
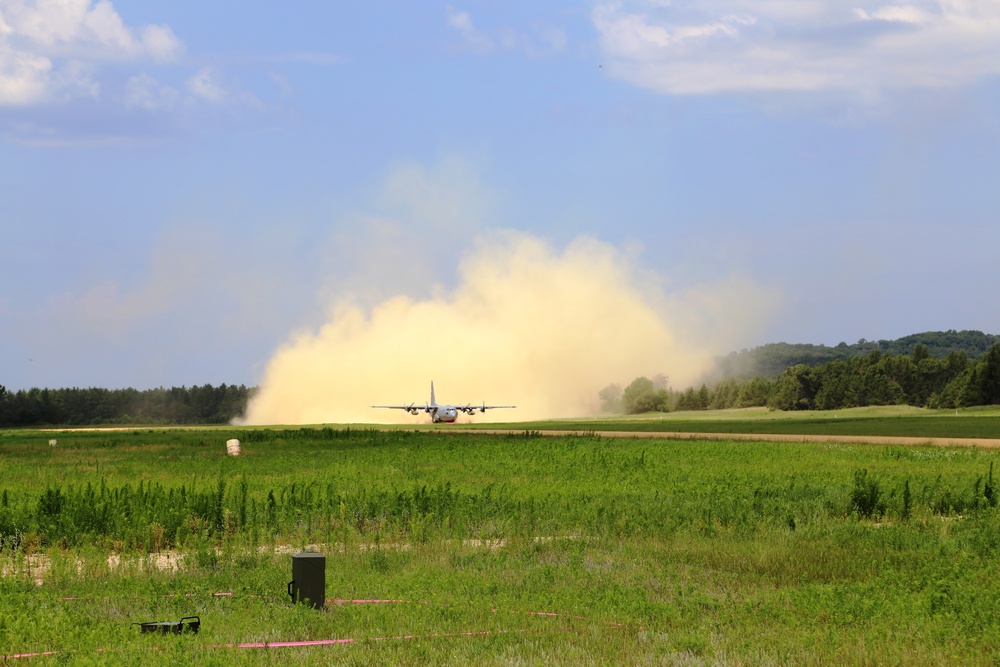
497,549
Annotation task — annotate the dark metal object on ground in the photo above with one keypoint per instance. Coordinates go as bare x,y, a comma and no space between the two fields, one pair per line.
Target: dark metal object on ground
308,584
186,624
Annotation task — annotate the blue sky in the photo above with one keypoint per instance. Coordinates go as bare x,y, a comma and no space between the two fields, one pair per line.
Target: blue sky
187,185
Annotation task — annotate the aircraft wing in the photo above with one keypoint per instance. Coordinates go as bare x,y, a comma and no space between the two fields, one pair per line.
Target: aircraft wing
471,409
412,408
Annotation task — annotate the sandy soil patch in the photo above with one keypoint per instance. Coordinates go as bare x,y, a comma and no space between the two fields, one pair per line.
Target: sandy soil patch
38,566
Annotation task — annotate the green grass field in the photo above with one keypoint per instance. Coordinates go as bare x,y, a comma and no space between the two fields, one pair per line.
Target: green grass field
499,549
902,421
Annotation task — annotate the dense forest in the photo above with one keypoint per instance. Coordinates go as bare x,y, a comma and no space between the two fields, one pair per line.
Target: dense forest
772,360
876,378
84,407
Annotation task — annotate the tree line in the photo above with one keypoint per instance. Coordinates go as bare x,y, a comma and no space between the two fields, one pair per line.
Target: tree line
921,378
876,378
93,406
773,359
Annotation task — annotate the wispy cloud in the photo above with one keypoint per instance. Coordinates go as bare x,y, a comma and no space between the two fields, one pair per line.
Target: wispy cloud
461,22
536,41
144,92
719,46
205,84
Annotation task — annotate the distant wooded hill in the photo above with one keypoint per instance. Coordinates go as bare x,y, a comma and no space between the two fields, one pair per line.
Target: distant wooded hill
774,358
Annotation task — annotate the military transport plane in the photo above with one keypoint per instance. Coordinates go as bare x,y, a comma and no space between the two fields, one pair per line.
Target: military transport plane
443,413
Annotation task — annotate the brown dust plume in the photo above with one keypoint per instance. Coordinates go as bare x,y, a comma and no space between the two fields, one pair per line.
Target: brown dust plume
527,326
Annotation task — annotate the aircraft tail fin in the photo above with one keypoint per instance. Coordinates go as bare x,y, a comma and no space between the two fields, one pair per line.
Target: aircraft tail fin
433,402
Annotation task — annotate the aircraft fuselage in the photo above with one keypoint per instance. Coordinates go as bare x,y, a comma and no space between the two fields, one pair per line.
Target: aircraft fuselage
444,414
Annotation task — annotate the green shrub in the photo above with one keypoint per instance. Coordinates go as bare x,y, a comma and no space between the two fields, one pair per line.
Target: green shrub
866,497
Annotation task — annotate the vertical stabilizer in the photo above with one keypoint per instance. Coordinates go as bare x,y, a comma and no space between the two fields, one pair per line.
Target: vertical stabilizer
433,402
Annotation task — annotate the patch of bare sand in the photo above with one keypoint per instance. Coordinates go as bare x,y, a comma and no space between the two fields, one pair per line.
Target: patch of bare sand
38,566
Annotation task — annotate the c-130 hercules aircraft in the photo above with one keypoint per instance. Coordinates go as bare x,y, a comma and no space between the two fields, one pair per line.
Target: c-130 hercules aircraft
443,413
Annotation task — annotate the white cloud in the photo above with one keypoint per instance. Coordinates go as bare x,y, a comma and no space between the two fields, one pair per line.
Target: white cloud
76,28
49,48
903,14
160,43
23,76
720,46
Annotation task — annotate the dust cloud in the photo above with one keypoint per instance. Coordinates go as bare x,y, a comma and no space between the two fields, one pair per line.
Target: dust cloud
527,325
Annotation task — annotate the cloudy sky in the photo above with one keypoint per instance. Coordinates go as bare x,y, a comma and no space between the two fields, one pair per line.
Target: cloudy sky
187,187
